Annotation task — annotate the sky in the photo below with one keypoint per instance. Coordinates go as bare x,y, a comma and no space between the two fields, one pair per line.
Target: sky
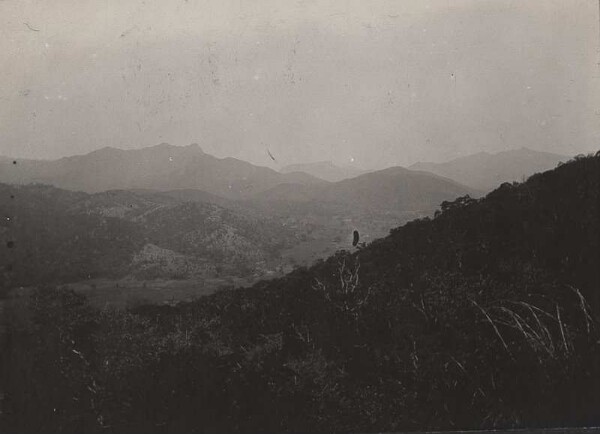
366,83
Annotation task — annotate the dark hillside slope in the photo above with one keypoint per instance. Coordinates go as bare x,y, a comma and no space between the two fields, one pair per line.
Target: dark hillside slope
48,242
549,223
484,317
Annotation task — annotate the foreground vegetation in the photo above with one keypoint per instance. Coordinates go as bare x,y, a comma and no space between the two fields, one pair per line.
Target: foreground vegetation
483,317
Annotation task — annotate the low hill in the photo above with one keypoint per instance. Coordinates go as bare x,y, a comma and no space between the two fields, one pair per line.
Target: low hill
59,236
395,189
485,171
161,167
325,170
325,214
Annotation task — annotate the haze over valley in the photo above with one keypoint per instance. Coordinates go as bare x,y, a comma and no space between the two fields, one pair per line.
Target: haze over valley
178,214
183,214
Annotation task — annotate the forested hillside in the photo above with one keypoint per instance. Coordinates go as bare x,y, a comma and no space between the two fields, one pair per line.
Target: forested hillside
482,317
58,236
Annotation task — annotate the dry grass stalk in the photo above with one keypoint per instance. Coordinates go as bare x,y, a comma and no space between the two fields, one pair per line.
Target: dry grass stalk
494,326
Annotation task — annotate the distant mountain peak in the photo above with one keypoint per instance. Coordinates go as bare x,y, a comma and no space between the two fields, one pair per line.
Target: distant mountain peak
159,167
486,171
196,146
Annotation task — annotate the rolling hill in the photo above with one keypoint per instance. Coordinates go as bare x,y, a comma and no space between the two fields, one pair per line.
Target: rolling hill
152,203
61,236
392,190
325,170
161,167
485,171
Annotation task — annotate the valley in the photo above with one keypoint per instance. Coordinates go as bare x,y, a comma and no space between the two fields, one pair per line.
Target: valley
189,241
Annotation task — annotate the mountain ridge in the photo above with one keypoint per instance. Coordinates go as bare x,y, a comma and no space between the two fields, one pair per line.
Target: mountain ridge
161,167
485,171
391,189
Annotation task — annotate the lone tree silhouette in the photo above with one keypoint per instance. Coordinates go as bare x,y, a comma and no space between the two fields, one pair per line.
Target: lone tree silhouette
356,238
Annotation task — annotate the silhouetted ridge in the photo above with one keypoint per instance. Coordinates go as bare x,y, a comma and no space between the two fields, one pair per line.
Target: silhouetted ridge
160,167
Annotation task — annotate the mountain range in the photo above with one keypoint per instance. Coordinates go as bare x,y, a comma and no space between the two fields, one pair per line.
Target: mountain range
63,235
189,174
165,167
485,171
161,167
182,207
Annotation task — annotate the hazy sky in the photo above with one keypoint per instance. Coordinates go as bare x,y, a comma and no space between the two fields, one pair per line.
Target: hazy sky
377,82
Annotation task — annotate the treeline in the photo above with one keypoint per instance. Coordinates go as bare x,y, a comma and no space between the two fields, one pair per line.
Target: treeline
482,317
